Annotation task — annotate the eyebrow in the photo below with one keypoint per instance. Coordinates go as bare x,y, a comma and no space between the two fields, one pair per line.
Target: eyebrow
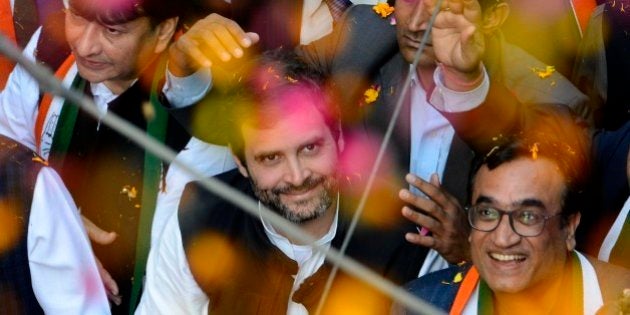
528,202
319,140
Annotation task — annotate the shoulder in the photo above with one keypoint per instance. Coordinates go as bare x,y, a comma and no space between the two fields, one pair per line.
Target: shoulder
612,279
523,74
440,287
200,209
195,192
363,34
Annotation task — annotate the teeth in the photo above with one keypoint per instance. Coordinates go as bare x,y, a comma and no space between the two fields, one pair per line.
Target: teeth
502,257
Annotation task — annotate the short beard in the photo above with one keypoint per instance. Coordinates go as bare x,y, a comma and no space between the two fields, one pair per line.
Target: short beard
271,199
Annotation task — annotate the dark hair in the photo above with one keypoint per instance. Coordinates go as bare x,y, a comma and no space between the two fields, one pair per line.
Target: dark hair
555,134
257,99
122,11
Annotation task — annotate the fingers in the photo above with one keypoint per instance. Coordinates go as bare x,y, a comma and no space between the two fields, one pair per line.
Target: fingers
422,240
441,214
420,219
111,288
212,38
96,234
439,200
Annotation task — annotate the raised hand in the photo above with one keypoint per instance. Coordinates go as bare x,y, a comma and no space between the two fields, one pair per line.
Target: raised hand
441,215
211,38
456,36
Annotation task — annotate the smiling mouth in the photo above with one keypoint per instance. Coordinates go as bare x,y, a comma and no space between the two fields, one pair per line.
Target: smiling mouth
507,258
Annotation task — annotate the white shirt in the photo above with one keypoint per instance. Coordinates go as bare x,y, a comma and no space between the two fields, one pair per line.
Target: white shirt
64,275
432,135
206,159
612,237
171,289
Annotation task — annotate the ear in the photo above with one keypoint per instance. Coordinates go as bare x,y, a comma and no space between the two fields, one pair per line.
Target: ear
494,17
572,223
241,167
165,32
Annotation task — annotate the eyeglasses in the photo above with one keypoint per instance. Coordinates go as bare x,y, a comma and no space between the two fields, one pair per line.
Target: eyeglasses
526,222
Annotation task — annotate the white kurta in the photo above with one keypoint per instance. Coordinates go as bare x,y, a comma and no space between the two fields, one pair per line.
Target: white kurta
63,269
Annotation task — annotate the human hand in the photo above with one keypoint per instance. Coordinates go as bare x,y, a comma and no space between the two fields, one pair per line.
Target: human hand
457,39
101,237
211,38
441,215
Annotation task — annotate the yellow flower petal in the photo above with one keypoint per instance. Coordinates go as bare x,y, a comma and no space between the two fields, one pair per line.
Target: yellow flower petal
458,278
544,73
371,94
534,150
383,9
40,160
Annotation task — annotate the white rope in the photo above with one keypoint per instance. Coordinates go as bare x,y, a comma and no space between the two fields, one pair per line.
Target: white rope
49,83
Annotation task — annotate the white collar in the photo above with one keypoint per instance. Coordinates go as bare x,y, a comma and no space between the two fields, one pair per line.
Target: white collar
276,238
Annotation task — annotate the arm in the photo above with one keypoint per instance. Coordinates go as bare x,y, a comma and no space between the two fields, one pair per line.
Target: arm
190,74
459,47
170,287
19,101
63,269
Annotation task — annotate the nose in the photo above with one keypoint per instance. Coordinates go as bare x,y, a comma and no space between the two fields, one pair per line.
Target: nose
418,17
87,41
296,172
504,236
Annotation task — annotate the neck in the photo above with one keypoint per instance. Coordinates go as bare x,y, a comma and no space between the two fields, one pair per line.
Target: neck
425,74
551,296
119,86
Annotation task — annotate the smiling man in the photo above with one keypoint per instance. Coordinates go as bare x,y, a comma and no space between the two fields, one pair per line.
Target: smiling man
213,257
526,202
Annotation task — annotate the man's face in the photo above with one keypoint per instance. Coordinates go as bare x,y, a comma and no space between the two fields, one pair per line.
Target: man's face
507,261
292,163
411,24
113,54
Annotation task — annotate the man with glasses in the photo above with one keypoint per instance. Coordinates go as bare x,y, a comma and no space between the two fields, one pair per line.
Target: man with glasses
526,201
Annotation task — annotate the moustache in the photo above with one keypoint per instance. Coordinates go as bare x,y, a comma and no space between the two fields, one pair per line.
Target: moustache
308,184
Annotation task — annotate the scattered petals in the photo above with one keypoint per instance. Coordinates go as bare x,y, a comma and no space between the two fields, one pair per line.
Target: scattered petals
544,73
458,278
383,9
534,150
40,160
130,191
371,94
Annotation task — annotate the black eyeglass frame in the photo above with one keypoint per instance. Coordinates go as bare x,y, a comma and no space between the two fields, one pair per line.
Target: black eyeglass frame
509,214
